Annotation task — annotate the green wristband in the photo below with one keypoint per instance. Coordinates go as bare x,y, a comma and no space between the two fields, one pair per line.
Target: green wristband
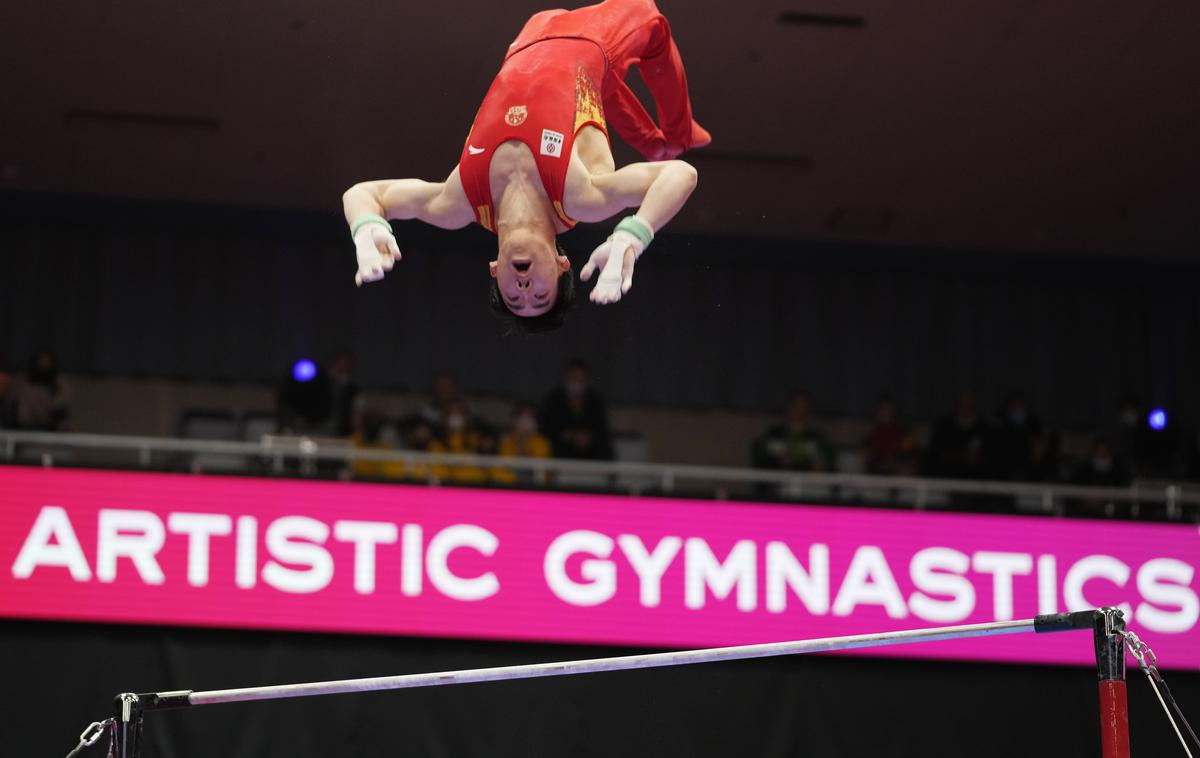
637,228
369,218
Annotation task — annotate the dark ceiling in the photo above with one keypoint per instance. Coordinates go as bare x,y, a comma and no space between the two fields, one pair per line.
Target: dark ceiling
1027,125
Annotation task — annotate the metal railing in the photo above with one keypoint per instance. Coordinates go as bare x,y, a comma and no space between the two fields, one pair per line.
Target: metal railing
304,456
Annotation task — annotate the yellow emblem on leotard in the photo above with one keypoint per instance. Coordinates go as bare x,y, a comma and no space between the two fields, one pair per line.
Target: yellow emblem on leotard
516,115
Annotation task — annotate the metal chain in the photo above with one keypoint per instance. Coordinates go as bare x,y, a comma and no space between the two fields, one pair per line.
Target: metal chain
91,735
1148,663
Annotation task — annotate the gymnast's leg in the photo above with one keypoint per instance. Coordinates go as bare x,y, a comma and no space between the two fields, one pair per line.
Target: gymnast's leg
638,34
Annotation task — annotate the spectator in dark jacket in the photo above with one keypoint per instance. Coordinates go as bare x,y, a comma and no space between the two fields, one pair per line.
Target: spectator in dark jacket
574,416
41,402
1016,429
795,444
889,449
960,444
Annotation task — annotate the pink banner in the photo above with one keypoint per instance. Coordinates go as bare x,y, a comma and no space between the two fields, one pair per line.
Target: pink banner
387,559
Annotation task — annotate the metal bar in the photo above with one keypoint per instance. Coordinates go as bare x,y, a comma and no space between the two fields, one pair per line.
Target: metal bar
623,663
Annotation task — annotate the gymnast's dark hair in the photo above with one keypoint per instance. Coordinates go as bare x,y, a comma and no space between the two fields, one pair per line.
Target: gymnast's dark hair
549,321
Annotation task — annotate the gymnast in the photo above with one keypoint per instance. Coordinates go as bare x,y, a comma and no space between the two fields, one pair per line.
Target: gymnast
537,161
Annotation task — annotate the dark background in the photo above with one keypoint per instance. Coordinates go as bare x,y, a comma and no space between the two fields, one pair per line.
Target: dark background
61,677
131,288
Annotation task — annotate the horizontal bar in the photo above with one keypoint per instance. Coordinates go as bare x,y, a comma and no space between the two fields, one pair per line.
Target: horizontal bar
622,663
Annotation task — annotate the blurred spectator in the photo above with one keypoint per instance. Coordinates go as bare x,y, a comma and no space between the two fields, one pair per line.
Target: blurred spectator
1016,429
41,402
444,393
1102,467
345,393
304,400
7,400
959,446
1044,463
460,435
794,444
889,449
369,436
575,417
521,441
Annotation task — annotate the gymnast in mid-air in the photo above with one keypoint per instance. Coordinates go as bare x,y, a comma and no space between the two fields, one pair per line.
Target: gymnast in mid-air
537,161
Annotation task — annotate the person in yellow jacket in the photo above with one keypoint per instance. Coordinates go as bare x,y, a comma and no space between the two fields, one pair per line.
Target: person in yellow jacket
522,441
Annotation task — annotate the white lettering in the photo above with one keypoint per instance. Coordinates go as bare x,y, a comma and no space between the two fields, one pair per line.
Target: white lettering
410,558
1166,581
869,581
1093,567
114,540
939,570
437,562
649,567
199,528
297,540
246,562
52,523
365,535
784,571
601,575
705,572
1047,572
1003,567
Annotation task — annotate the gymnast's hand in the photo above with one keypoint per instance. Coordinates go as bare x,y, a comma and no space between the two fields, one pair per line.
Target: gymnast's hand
377,252
615,257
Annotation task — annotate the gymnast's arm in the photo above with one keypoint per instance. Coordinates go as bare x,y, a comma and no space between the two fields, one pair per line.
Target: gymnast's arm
658,190
442,204
366,204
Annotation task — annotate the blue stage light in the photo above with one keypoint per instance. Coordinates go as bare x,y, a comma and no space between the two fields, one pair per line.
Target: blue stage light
1157,419
304,370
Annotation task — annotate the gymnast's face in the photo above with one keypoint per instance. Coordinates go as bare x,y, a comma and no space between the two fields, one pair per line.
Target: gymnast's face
526,271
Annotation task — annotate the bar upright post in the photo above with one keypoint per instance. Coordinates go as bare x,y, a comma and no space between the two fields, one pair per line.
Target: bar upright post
1108,632
127,727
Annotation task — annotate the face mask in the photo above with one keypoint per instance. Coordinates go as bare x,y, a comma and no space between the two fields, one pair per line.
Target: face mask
525,425
1017,416
1129,417
1101,465
455,422
574,389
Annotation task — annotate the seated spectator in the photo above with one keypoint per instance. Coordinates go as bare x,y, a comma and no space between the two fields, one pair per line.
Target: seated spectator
1044,463
41,402
1102,467
889,449
574,416
960,445
460,436
444,392
7,400
369,436
794,444
1017,428
346,393
521,441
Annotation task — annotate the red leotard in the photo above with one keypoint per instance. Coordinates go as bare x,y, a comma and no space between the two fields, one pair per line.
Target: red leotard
566,69
545,93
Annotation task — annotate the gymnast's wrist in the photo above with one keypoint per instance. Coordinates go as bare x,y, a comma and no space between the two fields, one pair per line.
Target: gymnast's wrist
637,228
365,219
